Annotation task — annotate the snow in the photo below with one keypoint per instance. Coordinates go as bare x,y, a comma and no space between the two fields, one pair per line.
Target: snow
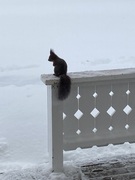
90,35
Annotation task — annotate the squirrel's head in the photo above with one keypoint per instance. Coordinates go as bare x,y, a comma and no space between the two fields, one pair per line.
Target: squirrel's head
52,56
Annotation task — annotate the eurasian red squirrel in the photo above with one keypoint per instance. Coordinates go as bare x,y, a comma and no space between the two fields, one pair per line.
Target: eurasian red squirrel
60,70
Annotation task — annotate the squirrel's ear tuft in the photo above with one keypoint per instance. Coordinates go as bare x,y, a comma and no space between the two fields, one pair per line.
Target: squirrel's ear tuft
51,51
52,54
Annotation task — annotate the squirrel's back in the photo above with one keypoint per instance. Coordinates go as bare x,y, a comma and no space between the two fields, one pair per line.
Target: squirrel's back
60,67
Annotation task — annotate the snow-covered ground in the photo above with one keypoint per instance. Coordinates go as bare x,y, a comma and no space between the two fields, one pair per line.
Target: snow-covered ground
89,35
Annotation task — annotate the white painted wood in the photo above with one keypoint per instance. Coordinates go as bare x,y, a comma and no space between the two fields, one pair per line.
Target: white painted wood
92,76
99,110
55,129
103,136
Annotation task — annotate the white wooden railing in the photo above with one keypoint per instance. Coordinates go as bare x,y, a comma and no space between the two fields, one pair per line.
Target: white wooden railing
100,110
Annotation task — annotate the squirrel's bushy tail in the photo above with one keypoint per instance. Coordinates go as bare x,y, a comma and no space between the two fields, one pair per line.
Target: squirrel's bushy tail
64,87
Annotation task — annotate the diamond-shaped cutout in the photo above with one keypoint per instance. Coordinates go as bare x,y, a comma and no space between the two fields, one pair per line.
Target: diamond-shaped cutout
78,114
78,96
95,95
64,116
128,92
111,93
94,130
78,131
110,128
127,109
127,126
95,112
111,111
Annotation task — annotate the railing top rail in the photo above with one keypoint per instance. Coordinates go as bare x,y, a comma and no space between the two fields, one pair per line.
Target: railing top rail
90,76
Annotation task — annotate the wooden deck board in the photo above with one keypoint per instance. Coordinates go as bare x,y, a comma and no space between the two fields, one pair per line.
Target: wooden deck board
119,168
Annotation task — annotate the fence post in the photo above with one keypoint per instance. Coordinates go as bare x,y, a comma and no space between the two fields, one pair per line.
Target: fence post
55,129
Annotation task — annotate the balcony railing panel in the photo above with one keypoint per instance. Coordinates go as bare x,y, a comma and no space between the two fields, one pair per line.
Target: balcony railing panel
100,110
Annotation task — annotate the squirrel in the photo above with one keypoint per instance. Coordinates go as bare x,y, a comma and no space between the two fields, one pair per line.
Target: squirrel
60,70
